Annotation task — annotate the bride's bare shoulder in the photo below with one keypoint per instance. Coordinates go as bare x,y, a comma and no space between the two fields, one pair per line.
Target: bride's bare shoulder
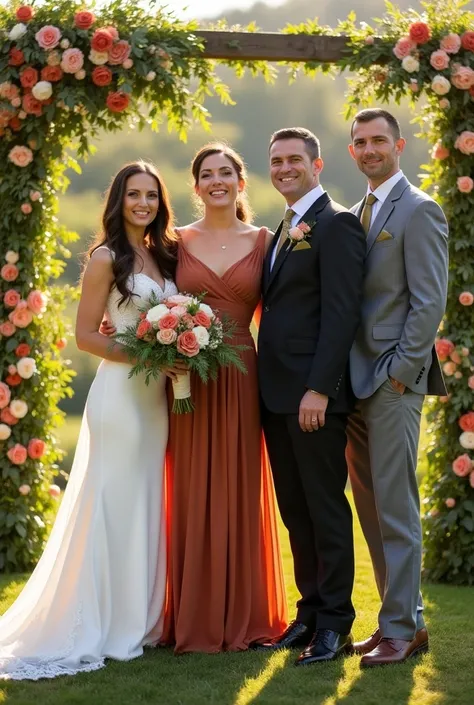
188,232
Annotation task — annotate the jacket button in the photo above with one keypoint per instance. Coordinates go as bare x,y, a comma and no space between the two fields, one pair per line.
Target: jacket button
266,309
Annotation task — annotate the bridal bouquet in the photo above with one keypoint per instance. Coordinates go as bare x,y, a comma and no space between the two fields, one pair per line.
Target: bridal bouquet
181,328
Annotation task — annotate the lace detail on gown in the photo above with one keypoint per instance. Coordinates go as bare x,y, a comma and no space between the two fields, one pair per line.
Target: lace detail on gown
98,590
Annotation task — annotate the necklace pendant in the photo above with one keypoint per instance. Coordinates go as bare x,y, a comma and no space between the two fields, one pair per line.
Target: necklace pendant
224,247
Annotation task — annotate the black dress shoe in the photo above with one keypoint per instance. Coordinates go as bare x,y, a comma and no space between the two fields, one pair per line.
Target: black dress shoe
296,635
325,646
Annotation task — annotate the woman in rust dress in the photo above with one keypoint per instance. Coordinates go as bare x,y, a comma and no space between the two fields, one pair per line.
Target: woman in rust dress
225,578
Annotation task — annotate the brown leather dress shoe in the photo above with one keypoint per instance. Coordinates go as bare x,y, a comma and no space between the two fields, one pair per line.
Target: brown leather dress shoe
364,647
390,651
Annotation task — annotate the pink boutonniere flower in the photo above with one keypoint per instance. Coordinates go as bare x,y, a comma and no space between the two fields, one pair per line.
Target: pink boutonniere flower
300,232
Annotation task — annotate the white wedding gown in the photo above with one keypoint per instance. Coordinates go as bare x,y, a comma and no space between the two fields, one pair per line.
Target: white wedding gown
98,590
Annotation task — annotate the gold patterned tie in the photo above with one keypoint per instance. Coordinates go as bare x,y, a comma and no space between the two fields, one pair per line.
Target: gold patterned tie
285,228
366,215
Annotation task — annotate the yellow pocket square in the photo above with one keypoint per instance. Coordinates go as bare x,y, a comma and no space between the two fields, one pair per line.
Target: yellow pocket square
384,235
303,245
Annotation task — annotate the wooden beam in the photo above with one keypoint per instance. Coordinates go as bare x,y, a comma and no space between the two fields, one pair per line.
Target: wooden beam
270,46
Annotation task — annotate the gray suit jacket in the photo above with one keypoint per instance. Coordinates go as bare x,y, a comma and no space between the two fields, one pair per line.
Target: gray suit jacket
404,294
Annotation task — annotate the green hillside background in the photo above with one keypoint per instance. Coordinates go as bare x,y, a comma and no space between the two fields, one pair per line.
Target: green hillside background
261,108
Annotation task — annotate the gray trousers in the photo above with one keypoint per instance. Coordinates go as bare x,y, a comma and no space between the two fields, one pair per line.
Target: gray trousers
383,435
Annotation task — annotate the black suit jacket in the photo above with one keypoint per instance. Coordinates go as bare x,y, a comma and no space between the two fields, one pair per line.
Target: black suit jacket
311,311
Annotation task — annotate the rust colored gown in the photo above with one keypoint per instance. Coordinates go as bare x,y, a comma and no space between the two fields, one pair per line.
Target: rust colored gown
225,580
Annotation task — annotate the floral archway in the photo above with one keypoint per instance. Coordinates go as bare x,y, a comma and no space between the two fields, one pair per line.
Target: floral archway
67,72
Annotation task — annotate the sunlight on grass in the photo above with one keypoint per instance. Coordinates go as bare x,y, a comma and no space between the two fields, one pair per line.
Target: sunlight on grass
423,675
350,676
254,686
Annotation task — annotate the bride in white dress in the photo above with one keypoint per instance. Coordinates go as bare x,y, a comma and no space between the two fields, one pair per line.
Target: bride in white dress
98,590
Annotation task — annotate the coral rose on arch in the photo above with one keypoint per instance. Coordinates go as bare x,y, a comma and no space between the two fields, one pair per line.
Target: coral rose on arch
7,417
467,41
52,74
17,454
36,301
12,298
36,448
7,329
16,57
119,52
101,76
419,32
13,380
21,317
31,105
465,142
9,272
20,156
118,102
466,298
462,465
101,40
24,13
466,421
5,395
444,348
465,184
84,19
28,77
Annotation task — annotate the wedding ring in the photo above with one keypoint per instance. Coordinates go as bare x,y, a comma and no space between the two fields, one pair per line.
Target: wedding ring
314,419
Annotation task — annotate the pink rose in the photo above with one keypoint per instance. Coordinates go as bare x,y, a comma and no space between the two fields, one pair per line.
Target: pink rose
465,142
11,369
119,52
444,348
449,368
187,320
166,336
21,317
24,490
127,64
462,465
178,310
26,208
20,155
202,319
72,60
35,196
419,32
466,421
48,37
296,234
55,491
369,40
7,417
11,298
458,375
17,454
440,152
466,298
451,43
36,448
178,300
143,328
36,302
439,60
170,320
463,78
113,32
456,357
5,395
465,184
470,382
187,344
450,503
7,329
84,19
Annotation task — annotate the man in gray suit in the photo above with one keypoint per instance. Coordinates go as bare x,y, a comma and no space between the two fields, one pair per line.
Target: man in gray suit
393,365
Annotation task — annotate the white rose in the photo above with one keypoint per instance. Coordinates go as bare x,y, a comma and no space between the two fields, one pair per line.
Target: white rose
17,31
440,85
156,313
207,310
410,64
19,408
80,75
151,75
202,336
65,44
466,439
99,58
26,367
12,257
42,90
5,432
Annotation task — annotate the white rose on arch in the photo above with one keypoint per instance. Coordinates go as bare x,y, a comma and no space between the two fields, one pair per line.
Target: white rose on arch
26,367
440,85
466,439
202,336
410,64
42,90
17,31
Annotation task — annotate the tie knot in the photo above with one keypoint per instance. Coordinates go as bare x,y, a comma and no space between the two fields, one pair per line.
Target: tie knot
370,200
289,216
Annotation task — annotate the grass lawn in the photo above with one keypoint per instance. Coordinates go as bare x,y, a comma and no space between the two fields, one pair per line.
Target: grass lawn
442,677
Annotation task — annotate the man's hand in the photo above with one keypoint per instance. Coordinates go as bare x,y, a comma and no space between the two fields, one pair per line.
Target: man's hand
106,328
312,411
398,386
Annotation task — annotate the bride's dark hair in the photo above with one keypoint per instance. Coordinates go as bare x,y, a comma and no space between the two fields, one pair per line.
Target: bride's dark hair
160,236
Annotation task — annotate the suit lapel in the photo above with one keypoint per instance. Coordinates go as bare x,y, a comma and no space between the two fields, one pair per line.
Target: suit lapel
268,257
310,215
385,211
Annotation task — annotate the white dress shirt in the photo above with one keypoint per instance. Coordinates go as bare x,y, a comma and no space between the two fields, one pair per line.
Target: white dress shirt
300,208
381,193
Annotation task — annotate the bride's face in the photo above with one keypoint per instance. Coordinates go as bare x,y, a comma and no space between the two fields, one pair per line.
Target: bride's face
218,184
141,202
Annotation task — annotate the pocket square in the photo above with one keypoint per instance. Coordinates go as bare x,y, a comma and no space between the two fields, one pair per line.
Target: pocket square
384,235
303,245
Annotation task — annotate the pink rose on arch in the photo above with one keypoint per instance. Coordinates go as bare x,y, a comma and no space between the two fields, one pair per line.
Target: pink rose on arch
439,60
462,465
21,317
403,47
7,417
17,454
36,302
470,382
24,489
35,195
72,61
466,298
12,298
449,368
113,32
170,320
84,19
48,37
26,208
465,184
466,421
465,142
463,78
5,395
450,503
456,357
451,43
36,448
202,319
187,344
21,156
119,52
12,369
444,348
166,336
440,152
7,329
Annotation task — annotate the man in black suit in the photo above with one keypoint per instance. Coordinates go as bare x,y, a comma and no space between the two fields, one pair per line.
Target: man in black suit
312,288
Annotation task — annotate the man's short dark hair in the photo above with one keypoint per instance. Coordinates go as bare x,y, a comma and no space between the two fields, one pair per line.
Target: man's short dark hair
373,114
311,142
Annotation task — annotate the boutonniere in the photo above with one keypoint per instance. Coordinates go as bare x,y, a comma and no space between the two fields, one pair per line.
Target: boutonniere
300,232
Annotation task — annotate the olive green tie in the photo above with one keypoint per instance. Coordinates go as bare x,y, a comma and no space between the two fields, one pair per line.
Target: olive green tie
366,215
285,229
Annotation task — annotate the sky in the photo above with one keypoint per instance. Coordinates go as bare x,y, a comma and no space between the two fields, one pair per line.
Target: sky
211,8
